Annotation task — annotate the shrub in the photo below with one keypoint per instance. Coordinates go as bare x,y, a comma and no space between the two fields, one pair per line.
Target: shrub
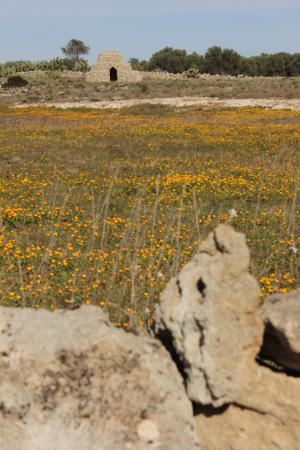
15,81
53,65
144,87
81,66
192,72
12,67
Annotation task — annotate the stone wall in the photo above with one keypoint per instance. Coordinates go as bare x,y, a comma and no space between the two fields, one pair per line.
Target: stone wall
218,371
162,76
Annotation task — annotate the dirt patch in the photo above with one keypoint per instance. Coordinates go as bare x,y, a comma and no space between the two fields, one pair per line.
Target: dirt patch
293,104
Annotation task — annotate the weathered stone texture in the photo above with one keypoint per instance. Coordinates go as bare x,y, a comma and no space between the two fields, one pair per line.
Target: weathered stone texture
282,330
209,315
265,416
211,322
100,72
163,76
72,381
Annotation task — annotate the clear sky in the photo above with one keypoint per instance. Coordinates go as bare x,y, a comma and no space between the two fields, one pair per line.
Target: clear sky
36,29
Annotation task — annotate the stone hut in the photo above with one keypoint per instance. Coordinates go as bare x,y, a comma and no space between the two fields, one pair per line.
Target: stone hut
112,66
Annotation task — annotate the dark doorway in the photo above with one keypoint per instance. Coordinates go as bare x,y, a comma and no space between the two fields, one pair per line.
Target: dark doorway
113,74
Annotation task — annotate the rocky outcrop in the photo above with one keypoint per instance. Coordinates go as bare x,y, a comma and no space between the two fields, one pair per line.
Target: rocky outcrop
282,330
211,322
209,318
72,381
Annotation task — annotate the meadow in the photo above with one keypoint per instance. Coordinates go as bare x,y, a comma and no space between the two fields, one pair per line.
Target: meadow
104,207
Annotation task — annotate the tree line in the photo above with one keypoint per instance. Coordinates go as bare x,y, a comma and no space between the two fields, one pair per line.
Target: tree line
215,61
219,61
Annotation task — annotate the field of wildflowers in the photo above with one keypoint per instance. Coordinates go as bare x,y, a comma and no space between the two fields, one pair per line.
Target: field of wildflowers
103,207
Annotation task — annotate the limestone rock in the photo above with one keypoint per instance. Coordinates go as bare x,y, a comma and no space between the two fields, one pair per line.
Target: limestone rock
148,431
266,416
282,330
72,381
208,318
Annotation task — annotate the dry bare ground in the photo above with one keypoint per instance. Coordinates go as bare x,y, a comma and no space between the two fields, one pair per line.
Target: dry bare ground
63,88
274,103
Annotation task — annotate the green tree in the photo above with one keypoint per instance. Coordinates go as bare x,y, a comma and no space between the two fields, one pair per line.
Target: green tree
174,60
169,60
282,64
249,66
137,64
295,64
213,60
194,60
218,61
231,62
75,48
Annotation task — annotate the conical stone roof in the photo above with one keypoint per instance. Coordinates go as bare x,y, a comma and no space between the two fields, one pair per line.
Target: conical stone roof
101,71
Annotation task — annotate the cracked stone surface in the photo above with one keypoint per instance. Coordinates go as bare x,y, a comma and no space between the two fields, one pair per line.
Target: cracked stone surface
71,381
282,330
266,416
209,319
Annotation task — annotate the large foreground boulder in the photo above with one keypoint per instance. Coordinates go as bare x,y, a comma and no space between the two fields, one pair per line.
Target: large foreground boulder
72,381
208,318
281,342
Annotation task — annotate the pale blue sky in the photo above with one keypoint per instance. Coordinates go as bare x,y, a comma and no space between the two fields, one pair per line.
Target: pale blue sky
36,29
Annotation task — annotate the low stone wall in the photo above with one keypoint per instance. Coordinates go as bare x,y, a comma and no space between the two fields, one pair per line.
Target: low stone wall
70,380
162,76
